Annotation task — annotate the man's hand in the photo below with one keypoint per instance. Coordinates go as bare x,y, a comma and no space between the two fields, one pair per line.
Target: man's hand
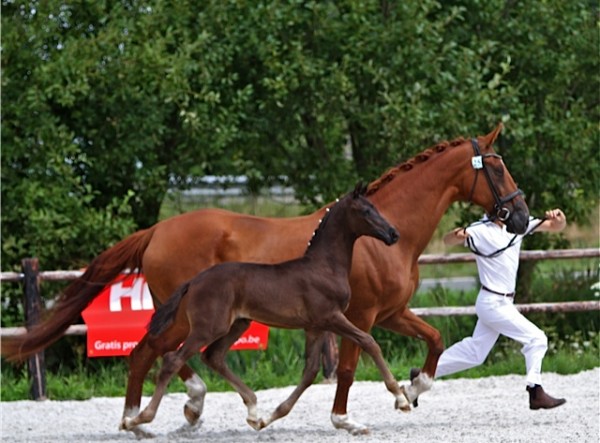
555,221
456,237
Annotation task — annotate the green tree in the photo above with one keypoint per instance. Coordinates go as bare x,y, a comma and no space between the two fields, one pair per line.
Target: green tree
543,57
107,104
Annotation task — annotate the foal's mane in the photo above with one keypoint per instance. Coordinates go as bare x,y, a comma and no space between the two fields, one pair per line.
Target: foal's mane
321,225
391,173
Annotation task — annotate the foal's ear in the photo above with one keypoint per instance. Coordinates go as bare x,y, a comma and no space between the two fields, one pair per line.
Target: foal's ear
359,190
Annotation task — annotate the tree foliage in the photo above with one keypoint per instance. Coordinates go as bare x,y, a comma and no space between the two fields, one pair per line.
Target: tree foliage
106,104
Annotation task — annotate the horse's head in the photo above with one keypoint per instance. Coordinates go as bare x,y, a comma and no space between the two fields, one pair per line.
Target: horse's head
493,188
365,219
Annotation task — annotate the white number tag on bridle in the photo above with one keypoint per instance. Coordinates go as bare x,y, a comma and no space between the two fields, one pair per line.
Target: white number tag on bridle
477,162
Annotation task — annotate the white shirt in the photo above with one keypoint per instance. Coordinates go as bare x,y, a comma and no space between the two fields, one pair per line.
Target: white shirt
498,273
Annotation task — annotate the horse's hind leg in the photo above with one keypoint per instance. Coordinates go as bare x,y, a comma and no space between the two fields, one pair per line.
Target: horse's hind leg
141,360
172,363
214,357
196,391
313,346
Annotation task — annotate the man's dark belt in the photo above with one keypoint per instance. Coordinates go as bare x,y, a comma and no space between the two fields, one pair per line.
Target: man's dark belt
504,294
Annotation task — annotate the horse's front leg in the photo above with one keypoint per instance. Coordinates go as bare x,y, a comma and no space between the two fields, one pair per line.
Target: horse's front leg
348,359
408,324
341,325
312,352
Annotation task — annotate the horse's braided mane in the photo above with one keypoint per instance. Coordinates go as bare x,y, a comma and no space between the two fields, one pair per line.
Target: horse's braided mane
389,175
321,225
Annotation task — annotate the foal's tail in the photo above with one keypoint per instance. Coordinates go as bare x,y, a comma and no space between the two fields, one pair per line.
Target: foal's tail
164,315
127,254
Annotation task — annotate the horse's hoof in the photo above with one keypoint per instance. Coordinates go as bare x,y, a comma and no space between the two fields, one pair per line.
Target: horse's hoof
343,422
403,403
414,373
404,407
137,431
192,414
362,430
126,424
256,424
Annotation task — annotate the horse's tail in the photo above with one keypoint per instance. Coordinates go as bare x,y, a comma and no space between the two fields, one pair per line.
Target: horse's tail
127,254
164,315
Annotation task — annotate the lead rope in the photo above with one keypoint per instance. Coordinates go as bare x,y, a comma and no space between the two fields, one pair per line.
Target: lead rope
474,250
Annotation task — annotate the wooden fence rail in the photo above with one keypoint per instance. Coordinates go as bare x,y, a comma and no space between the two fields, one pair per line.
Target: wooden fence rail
31,278
425,259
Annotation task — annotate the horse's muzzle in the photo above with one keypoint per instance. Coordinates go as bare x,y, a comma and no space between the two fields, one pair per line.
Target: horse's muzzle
519,219
392,237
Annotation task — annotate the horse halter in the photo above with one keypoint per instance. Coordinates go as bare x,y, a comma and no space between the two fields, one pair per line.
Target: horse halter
478,163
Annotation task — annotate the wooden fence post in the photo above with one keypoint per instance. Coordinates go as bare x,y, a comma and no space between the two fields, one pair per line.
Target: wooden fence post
33,308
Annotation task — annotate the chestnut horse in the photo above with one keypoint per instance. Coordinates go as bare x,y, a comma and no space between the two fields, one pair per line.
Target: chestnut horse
311,292
413,196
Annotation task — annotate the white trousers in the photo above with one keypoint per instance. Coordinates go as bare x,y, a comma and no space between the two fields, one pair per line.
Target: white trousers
496,315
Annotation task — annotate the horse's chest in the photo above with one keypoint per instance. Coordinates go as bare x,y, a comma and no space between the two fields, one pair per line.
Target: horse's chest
339,294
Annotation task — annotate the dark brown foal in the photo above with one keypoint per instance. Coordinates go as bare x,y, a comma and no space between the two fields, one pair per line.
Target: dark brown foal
310,293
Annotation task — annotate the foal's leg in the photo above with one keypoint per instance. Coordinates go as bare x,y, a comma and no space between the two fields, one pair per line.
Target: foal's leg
214,357
172,363
341,325
313,346
196,391
410,325
141,360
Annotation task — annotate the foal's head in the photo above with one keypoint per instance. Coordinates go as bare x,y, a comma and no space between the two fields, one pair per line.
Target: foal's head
364,219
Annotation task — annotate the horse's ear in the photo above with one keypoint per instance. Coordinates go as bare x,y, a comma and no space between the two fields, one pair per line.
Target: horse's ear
489,139
359,190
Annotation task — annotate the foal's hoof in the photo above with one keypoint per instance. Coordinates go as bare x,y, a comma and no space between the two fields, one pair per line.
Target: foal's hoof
403,403
137,430
256,424
192,414
126,424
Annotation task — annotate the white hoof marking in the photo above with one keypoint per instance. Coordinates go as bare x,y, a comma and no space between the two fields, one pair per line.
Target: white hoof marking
343,422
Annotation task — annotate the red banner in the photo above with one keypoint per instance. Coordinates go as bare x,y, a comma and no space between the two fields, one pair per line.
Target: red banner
118,317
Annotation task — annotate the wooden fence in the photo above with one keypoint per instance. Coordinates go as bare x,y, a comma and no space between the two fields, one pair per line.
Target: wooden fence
31,278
